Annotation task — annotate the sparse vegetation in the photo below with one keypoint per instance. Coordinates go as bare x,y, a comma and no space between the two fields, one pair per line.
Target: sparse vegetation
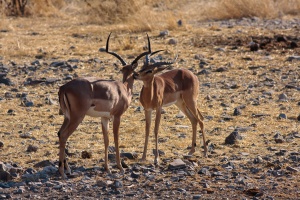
217,52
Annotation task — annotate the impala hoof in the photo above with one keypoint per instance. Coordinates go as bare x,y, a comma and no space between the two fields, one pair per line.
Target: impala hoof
191,152
64,177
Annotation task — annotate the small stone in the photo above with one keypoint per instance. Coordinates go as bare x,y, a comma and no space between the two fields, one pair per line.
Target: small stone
57,64
30,171
135,174
227,118
50,101
1,144
11,112
253,46
293,45
204,171
118,184
282,116
101,183
172,41
25,135
181,190
179,22
233,137
298,118
283,97
222,69
129,155
86,155
203,71
197,196
257,160
177,164
43,163
160,152
5,176
32,148
291,58
278,138
57,187
237,112
292,169
164,33
253,192
19,191
102,49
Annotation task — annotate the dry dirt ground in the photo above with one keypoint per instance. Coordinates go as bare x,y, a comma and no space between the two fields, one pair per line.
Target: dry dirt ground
255,93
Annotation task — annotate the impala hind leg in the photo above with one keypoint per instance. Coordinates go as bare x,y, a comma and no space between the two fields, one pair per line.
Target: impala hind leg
191,105
68,127
181,105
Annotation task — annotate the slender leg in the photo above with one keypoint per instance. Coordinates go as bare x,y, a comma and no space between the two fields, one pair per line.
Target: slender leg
116,125
202,130
68,127
181,105
157,122
191,105
105,126
148,114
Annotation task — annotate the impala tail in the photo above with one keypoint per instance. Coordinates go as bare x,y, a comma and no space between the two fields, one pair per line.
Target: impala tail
63,102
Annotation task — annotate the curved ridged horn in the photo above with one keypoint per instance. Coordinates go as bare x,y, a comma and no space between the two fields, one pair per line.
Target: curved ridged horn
143,54
113,53
165,63
147,56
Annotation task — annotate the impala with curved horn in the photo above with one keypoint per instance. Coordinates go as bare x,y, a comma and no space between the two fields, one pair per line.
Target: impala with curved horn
179,87
107,99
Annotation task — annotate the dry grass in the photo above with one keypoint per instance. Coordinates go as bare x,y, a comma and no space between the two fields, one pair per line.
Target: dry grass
54,41
52,30
147,15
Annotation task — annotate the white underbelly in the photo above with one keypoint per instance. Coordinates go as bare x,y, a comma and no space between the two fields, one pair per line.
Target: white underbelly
93,113
168,104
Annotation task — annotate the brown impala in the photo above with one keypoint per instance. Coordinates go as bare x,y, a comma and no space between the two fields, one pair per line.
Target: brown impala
95,97
179,87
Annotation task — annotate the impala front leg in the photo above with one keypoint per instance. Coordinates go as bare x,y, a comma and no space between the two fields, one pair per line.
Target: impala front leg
148,114
116,125
105,125
157,122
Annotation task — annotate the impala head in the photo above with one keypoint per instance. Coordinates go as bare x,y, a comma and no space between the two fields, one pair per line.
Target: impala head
150,69
128,69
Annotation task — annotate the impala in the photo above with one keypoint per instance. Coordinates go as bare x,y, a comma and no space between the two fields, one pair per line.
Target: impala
95,97
179,87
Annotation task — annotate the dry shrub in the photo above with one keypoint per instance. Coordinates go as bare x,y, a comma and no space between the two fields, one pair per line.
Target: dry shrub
236,9
46,8
149,15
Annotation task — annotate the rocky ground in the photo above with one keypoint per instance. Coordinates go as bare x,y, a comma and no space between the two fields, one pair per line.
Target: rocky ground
251,96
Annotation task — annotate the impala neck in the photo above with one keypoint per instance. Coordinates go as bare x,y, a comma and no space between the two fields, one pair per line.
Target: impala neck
148,89
128,82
